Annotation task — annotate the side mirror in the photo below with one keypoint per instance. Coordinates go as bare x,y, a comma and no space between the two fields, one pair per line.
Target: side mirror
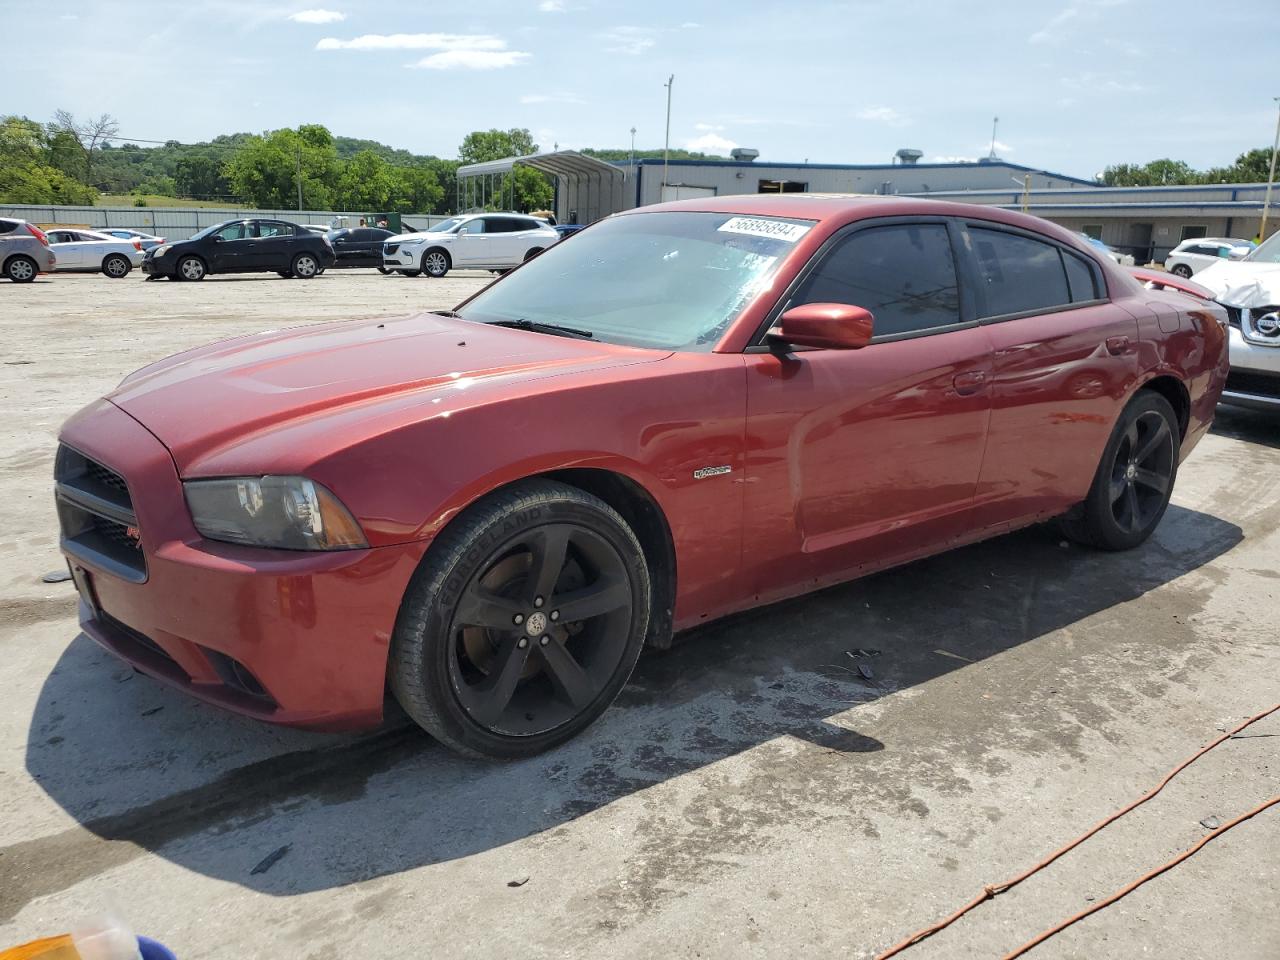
828,326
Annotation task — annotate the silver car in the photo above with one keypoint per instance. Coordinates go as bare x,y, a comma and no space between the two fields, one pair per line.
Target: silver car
24,251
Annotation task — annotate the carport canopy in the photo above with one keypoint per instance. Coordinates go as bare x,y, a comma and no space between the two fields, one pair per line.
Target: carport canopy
572,170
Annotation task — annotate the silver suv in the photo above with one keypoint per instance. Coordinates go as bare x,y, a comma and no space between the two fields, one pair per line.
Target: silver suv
24,250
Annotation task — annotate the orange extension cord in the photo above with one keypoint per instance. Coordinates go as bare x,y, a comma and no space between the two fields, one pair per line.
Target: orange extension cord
993,890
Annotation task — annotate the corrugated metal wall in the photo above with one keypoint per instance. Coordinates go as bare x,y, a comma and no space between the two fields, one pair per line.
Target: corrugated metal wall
178,223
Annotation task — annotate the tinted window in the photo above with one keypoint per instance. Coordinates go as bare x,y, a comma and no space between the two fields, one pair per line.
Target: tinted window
1080,277
380,234
1017,273
232,231
270,228
501,225
905,276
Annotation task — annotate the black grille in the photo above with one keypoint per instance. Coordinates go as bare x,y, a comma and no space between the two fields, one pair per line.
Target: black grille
1249,381
391,248
126,632
1233,316
96,514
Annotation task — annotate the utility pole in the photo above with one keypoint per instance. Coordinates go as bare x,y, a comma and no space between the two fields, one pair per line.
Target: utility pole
299,171
631,162
666,146
1271,176
995,123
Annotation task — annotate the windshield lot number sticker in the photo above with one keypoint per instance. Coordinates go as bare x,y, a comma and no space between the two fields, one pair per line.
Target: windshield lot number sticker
757,227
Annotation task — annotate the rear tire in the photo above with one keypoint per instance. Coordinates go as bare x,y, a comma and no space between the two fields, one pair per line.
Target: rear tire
305,266
411,273
21,269
1181,270
116,266
285,274
385,272
529,255
1135,478
482,657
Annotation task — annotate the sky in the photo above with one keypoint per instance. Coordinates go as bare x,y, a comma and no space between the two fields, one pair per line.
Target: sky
1076,85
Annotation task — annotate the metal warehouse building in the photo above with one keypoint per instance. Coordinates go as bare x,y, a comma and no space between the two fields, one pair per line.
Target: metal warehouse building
1144,221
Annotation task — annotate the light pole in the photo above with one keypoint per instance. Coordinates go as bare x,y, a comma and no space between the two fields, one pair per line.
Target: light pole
666,146
631,161
1271,176
995,124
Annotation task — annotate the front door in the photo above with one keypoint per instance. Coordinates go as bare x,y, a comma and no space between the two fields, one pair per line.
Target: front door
68,248
862,458
229,249
472,243
1064,358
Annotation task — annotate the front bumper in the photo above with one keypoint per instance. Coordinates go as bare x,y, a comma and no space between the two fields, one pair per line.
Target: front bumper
158,266
290,637
1254,380
405,258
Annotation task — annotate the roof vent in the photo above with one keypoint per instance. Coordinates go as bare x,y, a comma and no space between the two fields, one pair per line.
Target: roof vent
745,154
907,156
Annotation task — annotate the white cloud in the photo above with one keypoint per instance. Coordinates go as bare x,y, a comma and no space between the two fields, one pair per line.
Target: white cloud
631,41
884,115
551,98
952,159
707,127
471,60
1090,82
710,143
415,41
68,16
690,25
317,16
1001,147
1084,11
551,6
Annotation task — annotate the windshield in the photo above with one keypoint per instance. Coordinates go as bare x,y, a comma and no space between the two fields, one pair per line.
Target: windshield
670,281
208,230
444,226
1267,252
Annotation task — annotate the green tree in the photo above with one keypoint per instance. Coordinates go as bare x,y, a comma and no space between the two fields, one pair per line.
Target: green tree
1252,166
264,171
481,146
26,176
199,176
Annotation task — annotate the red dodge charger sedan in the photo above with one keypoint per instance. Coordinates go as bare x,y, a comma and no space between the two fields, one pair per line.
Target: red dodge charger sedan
688,410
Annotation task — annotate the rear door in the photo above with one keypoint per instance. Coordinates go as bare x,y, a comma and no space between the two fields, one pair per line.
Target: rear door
859,458
275,245
1064,359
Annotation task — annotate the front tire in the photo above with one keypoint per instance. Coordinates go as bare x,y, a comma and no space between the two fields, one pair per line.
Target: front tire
1134,482
1181,270
21,269
305,266
435,263
116,266
190,268
523,622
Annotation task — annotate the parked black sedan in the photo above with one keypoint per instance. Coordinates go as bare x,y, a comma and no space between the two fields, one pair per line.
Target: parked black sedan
359,246
242,246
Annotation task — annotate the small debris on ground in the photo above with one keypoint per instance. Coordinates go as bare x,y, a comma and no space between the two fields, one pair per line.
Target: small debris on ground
153,710
866,672
859,652
1211,823
517,883
271,859
56,576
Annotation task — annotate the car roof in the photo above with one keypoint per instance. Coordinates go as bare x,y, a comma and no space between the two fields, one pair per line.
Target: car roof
848,207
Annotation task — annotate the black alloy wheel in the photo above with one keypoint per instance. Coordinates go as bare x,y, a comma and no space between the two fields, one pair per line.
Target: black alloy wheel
523,623
1134,481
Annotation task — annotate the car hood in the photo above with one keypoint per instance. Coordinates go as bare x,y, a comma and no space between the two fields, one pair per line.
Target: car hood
208,399
420,235
1242,284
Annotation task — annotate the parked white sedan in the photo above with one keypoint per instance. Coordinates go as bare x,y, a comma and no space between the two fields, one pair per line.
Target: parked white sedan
86,251
478,241
1191,256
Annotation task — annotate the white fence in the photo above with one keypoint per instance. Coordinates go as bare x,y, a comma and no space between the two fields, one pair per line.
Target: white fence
178,223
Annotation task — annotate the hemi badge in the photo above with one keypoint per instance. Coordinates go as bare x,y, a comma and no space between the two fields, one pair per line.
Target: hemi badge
703,472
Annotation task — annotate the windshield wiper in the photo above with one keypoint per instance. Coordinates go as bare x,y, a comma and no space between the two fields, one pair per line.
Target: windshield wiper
447,313
538,327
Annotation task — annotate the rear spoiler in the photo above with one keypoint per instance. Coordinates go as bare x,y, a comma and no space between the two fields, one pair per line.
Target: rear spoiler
1161,280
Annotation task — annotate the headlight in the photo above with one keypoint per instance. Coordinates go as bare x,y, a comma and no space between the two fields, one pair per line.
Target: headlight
288,513
162,249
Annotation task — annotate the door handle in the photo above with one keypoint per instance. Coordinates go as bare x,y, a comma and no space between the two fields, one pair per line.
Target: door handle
1116,346
970,382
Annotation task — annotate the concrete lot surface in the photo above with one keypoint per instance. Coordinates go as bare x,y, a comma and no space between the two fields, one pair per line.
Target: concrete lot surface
752,794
